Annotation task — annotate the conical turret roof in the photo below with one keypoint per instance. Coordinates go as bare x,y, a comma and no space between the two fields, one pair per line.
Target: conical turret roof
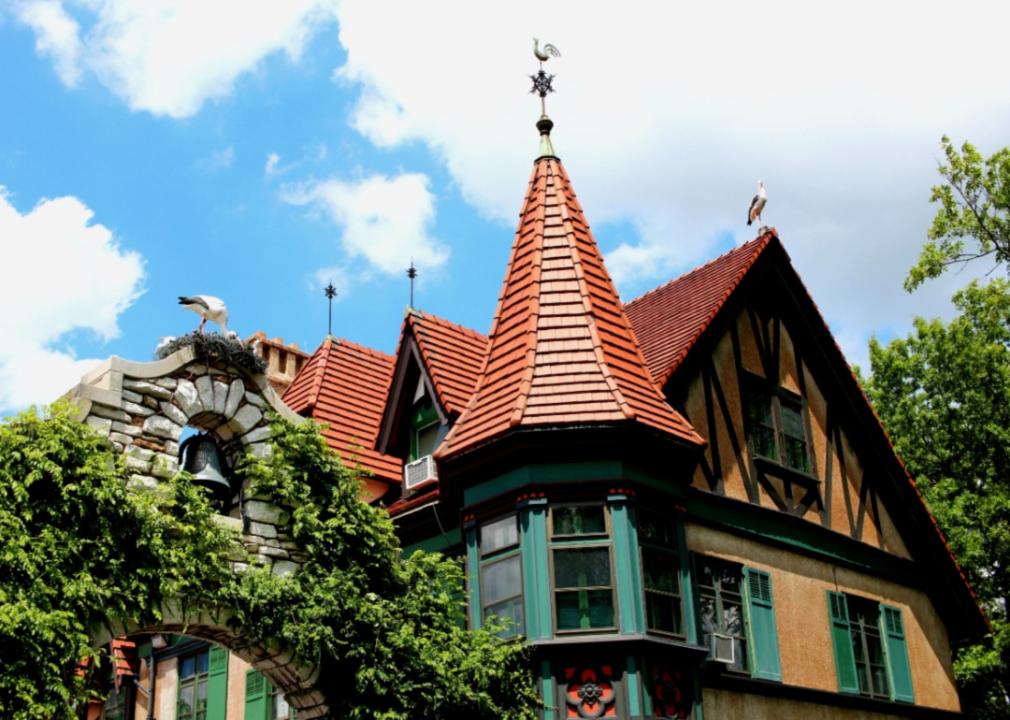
561,351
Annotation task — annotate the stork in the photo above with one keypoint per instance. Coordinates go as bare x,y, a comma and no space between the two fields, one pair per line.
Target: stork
757,204
207,307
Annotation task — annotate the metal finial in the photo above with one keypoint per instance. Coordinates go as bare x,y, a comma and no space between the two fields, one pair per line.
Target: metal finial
542,85
331,292
412,274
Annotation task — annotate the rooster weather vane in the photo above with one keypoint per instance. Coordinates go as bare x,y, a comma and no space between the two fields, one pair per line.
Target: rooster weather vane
542,81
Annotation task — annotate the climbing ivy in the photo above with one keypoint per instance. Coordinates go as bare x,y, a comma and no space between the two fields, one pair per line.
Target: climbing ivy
77,547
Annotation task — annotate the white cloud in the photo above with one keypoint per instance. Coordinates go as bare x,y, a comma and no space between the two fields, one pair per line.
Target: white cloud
168,57
668,114
219,159
385,221
60,273
271,165
56,36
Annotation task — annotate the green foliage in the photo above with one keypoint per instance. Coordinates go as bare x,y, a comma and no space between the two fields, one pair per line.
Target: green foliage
974,207
944,395
77,547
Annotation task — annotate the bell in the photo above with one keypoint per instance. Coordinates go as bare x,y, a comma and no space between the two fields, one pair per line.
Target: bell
201,458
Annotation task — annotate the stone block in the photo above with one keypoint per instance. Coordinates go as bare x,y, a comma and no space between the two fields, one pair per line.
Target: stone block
164,466
125,429
100,425
147,388
283,567
142,481
167,383
173,413
263,530
264,512
139,453
120,438
137,410
186,398
205,389
150,402
260,450
256,399
137,464
235,392
105,411
246,418
132,396
161,426
172,448
220,396
256,435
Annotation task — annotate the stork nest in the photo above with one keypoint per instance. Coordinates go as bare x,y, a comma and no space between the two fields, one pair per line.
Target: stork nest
212,347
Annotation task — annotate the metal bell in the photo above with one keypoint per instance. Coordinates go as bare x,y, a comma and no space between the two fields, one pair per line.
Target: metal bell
201,458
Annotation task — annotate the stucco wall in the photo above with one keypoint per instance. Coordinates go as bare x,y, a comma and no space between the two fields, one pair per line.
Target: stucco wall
800,585
725,705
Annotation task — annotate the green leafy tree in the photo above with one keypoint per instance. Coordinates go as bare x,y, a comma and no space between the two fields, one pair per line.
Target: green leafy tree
944,395
973,220
77,547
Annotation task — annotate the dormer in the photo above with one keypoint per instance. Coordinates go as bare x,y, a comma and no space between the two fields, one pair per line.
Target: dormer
435,371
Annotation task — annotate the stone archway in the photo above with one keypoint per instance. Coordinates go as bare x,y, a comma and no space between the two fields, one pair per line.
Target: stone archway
142,409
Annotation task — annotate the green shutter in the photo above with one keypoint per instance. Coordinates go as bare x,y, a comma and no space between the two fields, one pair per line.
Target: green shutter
845,661
257,693
764,639
217,684
892,629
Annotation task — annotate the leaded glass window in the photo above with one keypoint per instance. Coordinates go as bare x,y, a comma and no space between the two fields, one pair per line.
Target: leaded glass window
582,571
720,601
501,582
661,573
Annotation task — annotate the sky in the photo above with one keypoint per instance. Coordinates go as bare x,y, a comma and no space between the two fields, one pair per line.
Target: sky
257,150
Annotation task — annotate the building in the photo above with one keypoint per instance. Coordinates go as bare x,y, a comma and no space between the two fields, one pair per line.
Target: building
684,503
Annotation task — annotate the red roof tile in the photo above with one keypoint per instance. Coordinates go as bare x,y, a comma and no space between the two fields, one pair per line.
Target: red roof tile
561,350
344,385
669,319
453,356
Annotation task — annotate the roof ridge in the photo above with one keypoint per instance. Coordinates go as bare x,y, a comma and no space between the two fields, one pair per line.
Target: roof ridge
762,238
425,315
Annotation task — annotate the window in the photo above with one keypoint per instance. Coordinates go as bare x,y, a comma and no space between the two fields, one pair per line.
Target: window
501,585
192,701
583,581
720,599
424,430
775,424
116,704
661,573
738,617
870,652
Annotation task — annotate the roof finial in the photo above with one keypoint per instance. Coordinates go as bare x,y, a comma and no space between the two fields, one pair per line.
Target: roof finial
412,273
541,86
331,292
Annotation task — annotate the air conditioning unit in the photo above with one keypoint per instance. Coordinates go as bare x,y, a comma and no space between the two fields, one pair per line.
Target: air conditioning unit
417,472
722,648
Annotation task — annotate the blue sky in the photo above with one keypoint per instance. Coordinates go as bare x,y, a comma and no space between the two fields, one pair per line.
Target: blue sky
167,147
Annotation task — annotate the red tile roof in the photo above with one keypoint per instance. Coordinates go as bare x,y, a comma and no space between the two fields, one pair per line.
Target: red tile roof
669,319
344,385
453,356
561,350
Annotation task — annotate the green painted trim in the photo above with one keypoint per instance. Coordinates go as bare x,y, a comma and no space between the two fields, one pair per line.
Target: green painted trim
536,577
473,578
691,632
762,630
217,684
772,526
439,543
633,683
547,691
560,473
628,575
899,671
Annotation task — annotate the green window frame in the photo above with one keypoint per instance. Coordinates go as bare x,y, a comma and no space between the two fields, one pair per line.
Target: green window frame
660,556
776,427
425,427
871,654
582,568
500,568
191,698
737,602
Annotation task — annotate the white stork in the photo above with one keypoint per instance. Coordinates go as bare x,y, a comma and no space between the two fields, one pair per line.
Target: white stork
207,307
757,204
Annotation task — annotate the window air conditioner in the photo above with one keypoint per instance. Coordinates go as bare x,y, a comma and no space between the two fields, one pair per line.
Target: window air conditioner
722,648
415,473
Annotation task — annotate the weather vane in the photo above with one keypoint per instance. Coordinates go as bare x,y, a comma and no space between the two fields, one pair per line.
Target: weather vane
542,81
331,292
412,273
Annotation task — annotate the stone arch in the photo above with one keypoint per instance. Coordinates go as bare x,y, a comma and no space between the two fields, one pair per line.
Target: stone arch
142,409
